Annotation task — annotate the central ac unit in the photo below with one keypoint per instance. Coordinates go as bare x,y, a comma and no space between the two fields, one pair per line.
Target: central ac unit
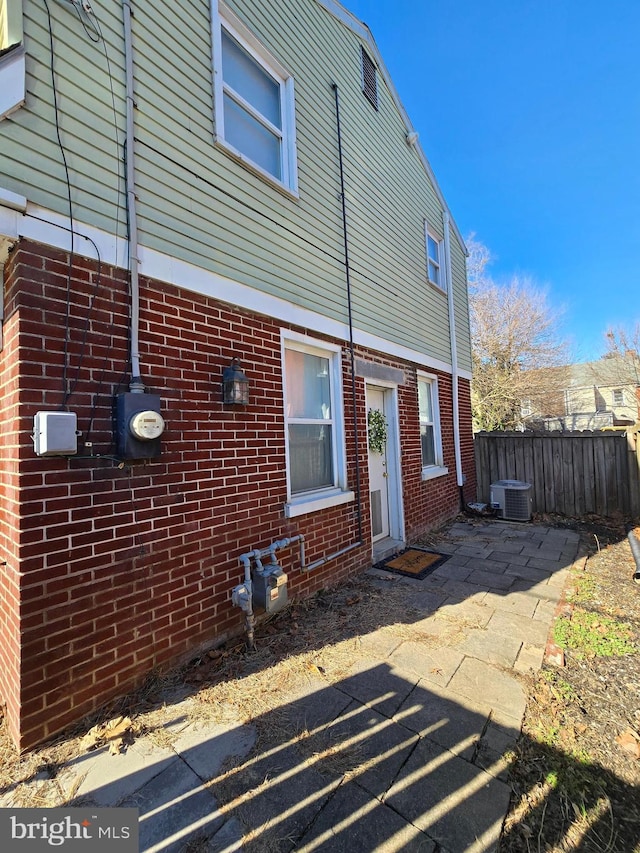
511,499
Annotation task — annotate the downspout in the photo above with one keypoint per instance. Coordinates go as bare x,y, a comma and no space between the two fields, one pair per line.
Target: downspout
347,269
136,385
454,357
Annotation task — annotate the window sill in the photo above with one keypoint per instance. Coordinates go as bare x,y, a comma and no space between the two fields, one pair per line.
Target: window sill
236,155
438,287
12,85
316,502
434,471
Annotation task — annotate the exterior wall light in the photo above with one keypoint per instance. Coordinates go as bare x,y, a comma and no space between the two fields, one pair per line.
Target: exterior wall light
235,385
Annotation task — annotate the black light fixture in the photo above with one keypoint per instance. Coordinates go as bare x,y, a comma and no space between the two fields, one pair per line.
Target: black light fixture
235,385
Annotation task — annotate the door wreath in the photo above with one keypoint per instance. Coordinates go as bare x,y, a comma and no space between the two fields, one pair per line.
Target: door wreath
377,430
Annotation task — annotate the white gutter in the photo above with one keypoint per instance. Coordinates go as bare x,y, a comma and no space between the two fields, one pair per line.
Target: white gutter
136,384
454,350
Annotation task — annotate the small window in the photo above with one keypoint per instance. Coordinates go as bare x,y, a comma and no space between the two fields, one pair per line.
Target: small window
254,103
430,438
12,58
369,79
10,23
435,272
618,397
316,470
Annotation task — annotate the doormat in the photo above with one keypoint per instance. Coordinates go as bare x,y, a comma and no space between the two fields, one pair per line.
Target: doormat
413,563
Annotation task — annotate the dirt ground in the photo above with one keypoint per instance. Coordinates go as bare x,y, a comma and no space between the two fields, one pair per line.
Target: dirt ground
576,773
576,778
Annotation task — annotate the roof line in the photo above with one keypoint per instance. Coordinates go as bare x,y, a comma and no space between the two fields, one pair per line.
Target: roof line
361,29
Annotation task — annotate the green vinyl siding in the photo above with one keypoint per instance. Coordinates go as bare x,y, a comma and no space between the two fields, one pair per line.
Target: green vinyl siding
198,204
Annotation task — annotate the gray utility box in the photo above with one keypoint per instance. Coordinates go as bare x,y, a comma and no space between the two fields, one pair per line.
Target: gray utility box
270,588
511,499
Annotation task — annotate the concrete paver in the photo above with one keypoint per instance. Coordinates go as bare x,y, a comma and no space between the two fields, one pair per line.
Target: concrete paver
529,658
492,580
446,718
109,779
206,747
477,678
523,603
474,612
431,664
376,747
497,649
353,820
173,807
409,751
449,798
514,625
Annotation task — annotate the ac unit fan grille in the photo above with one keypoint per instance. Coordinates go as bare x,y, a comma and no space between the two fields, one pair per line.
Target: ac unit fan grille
516,504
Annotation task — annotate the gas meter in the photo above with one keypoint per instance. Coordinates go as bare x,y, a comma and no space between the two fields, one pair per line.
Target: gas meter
269,588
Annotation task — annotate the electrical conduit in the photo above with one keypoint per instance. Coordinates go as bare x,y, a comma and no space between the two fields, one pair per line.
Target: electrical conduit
454,356
136,385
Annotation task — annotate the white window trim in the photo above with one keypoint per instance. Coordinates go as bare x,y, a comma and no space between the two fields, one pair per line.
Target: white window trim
430,472
12,81
222,16
333,495
430,233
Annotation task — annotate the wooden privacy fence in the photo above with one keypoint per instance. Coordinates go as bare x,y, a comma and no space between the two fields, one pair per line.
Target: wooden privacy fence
570,473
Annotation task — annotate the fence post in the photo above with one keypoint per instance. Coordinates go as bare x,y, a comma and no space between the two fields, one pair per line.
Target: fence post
633,446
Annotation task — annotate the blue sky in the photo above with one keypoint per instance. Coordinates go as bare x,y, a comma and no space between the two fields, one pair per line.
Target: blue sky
529,112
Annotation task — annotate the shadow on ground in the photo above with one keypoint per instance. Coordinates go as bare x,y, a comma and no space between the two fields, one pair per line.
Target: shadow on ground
403,745
376,762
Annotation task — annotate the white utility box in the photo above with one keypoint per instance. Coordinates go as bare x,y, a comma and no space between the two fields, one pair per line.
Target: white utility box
55,433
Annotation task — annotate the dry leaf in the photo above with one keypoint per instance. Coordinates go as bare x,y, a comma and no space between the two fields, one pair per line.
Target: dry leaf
630,742
91,739
114,730
117,727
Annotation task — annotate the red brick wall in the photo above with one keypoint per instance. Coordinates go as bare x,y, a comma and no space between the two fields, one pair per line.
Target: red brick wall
125,568
9,518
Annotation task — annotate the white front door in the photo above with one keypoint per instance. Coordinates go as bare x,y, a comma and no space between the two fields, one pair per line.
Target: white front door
378,471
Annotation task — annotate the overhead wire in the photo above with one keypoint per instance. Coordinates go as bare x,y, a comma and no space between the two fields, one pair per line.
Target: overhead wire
67,329
91,25
338,260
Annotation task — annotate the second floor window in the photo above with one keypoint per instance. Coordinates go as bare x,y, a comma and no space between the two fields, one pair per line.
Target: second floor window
435,273
254,106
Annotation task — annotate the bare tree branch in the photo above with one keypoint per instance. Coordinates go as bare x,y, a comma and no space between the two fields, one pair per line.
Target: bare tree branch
516,344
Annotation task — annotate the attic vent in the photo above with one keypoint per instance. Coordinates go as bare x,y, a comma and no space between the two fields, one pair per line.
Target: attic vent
369,79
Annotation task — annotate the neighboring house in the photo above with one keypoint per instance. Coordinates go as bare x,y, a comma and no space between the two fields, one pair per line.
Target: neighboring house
588,396
171,212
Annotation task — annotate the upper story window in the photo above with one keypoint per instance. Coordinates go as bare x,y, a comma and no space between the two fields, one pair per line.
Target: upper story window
369,79
430,437
435,251
254,101
618,397
12,60
316,468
